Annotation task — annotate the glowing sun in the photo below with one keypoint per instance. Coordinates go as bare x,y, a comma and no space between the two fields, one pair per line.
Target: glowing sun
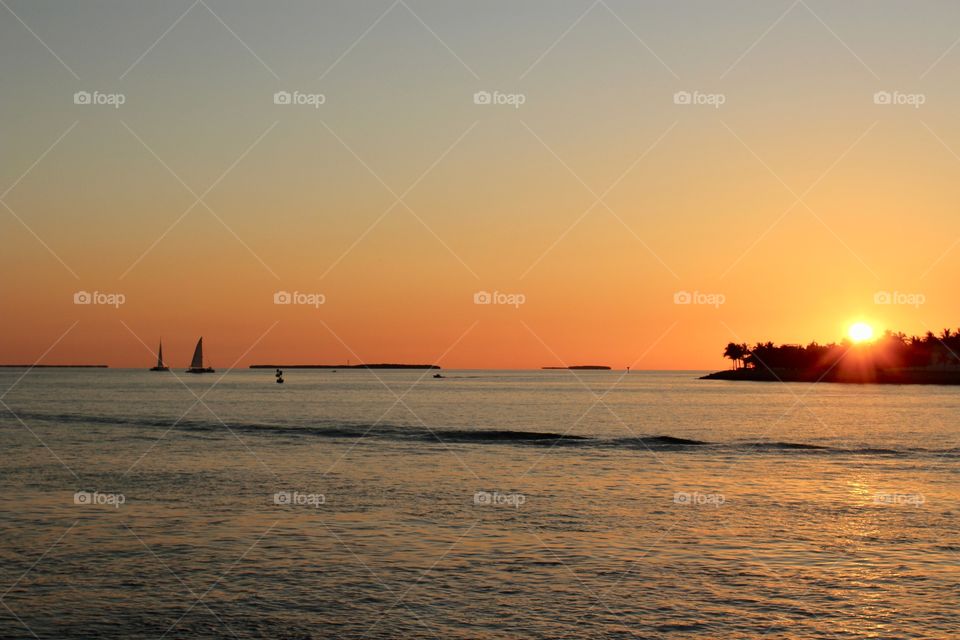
860,332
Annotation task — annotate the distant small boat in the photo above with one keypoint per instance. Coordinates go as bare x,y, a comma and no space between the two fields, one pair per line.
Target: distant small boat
160,366
196,365
437,375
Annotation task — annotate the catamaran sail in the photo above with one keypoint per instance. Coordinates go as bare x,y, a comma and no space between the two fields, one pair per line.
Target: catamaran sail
160,366
196,365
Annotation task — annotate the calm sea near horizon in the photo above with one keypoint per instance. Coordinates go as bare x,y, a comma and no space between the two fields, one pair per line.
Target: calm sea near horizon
389,504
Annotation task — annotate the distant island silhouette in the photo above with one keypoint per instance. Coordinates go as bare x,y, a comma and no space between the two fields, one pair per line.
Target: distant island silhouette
582,367
344,366
54,366
894,358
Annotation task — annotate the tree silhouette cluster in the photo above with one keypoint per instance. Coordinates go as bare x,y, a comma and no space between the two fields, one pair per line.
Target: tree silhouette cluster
890,351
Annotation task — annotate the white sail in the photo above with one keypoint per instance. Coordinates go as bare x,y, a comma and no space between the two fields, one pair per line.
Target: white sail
197,362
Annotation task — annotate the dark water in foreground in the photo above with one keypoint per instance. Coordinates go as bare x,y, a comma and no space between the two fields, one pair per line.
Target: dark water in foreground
382,505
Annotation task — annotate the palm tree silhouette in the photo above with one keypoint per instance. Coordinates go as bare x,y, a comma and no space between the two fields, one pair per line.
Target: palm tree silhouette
736,353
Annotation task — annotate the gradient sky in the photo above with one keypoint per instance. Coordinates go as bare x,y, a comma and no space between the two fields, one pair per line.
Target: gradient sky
797,200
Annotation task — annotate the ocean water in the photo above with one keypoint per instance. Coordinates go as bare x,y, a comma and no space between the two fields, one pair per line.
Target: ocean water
388,504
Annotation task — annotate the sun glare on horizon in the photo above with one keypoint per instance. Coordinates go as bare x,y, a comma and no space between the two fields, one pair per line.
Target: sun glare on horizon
860,332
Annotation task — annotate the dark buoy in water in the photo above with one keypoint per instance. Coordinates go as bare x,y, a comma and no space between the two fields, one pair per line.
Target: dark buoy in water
279,376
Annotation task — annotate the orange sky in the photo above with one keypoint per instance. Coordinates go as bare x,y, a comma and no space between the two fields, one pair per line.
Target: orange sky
797,200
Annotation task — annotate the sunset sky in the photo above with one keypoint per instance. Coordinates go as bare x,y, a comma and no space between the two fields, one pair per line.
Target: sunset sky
794,202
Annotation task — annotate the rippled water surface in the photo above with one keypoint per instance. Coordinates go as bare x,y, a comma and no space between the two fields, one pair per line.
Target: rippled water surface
483,505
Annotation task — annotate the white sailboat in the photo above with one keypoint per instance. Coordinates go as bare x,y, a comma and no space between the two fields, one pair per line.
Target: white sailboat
160,366
196,365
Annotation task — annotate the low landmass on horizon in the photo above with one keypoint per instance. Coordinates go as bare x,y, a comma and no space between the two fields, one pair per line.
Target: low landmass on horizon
345,366
581,367
54,366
